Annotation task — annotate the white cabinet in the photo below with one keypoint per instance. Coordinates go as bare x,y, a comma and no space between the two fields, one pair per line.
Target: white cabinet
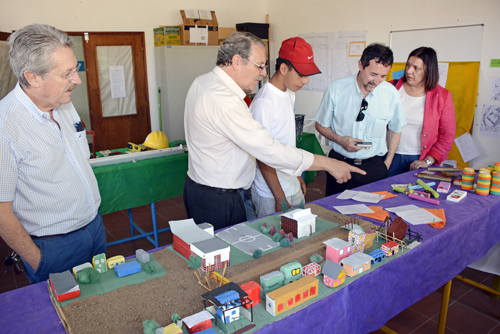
176,68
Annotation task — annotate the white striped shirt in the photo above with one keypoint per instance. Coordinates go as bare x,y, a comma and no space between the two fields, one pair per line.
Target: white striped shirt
44,169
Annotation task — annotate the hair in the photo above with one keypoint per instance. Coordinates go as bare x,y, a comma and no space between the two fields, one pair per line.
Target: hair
280,61
429,57
379,52
32,48
239,43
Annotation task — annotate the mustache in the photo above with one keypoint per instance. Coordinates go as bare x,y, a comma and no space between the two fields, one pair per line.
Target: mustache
71,87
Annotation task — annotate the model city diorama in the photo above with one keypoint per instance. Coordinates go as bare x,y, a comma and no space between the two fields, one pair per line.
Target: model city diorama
229,307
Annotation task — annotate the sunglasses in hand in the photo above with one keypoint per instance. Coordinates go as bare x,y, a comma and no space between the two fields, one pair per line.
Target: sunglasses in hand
15,261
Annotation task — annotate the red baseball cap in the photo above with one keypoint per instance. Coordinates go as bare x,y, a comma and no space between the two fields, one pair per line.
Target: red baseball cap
300,54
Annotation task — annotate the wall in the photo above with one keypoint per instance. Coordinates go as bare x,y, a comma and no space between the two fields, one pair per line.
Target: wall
126,15
288,18
381,18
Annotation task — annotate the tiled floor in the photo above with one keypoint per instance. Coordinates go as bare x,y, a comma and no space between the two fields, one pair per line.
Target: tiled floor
471,310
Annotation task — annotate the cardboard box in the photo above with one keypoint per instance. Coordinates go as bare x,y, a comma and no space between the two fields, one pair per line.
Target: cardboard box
225,33
260,30
159,36
188,23
167,35
172,35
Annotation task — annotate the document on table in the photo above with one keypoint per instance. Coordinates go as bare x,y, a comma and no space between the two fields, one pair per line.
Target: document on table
353,209
361,196
414,215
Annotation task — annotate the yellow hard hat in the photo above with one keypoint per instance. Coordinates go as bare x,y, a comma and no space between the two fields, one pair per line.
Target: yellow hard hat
156,140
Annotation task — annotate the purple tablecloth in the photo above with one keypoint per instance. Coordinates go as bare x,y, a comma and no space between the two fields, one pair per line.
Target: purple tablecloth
472,227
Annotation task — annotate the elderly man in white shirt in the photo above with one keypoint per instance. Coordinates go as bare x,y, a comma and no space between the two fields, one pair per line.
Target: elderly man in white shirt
49,198
224,140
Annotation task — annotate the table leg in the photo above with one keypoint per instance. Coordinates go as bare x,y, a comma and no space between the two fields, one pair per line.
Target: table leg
388,330
444,307
131,222
155,227
495,286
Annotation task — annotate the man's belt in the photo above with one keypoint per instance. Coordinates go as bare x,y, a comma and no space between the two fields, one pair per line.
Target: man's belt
222,190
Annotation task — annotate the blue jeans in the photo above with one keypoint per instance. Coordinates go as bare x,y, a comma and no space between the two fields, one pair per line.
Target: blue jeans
401,164
63,252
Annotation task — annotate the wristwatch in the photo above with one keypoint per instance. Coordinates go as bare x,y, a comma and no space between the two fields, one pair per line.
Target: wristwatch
428,162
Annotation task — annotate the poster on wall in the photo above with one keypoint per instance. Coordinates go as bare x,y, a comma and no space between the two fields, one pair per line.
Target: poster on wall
490,121
495,89
336,54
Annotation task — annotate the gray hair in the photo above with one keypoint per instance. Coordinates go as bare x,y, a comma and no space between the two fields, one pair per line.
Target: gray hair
239,43
32,47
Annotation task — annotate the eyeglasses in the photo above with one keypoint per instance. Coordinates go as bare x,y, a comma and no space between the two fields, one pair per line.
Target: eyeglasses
70,75
364,106
261,67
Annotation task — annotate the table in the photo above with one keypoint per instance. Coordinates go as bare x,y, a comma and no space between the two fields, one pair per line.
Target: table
472,227
133,184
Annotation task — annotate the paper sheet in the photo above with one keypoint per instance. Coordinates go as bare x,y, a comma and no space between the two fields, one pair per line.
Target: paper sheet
198,35
336,54
402,208
360,196
495,89
490,121
117,81
443,73
466,146
414,215
192,13
205,14
353,209
419,217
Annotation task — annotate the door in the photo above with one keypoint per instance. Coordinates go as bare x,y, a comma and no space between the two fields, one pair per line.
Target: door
360,269
117,88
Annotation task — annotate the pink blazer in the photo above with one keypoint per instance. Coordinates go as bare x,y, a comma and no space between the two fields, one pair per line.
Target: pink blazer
438,132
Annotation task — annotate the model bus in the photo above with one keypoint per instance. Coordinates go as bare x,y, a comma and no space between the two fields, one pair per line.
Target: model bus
291,295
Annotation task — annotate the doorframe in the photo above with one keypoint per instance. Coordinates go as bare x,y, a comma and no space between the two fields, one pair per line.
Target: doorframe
140,33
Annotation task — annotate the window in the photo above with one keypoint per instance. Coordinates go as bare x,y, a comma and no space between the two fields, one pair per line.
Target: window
280,307
290,302
349,249
297,298
313,290
295,272
341,252
305,294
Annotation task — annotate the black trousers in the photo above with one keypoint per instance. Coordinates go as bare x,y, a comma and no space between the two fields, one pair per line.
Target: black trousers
219,207
374,167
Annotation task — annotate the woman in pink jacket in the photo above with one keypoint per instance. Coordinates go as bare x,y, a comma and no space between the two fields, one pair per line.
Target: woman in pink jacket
430,115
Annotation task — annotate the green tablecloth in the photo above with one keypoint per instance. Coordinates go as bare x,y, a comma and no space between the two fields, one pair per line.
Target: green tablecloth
309,142
134,184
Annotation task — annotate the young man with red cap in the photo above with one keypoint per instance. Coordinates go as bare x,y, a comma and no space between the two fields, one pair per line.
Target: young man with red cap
273,107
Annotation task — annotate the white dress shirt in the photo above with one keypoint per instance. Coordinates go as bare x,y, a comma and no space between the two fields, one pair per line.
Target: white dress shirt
340,107
44,169
223,139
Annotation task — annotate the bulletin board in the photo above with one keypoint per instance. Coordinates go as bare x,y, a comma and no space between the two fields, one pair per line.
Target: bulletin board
461,47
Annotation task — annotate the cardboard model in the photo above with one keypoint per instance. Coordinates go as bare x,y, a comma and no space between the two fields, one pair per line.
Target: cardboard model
291,295
356,264
333,274
191,239
337,249
300,222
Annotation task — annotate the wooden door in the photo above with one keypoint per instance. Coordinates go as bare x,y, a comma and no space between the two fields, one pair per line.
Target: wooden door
118,115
